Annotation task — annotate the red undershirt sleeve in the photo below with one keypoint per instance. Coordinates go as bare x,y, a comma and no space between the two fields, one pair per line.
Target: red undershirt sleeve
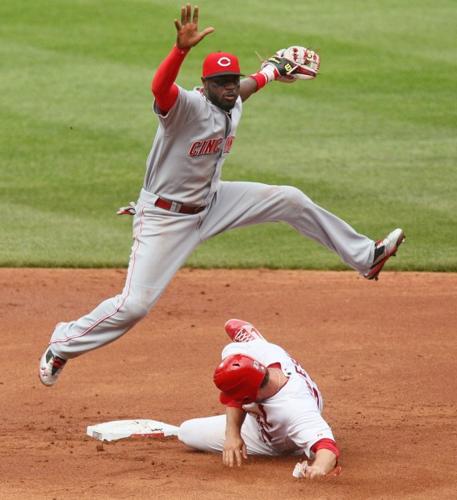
328,444
234,404
163,84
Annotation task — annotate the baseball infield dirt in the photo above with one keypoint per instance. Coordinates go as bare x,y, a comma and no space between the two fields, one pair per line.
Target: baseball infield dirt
383,354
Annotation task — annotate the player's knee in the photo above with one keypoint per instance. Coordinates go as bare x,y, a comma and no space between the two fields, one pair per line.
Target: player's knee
204,434
187,433
134,309
293,197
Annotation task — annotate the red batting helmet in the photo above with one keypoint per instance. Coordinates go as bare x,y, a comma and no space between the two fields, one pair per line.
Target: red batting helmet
239,378
220,64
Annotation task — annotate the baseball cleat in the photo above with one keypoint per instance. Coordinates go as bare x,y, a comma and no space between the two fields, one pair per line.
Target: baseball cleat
241,331
384,249
50,367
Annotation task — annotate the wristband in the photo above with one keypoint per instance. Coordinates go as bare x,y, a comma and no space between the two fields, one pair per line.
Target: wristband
260,79
266,75
327,444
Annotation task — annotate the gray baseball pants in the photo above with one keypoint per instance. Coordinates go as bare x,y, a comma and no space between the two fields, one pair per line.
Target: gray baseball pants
163,240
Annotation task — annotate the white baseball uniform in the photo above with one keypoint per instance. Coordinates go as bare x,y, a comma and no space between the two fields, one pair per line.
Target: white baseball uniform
184,166
287,423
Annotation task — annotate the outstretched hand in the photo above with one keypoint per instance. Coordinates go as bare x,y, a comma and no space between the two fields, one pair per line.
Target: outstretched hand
234,451
187,30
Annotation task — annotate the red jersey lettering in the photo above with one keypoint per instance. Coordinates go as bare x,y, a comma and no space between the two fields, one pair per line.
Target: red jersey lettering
211,146
195,148
228,143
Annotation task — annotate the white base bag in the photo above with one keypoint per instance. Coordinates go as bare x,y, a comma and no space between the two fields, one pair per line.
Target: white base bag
120,429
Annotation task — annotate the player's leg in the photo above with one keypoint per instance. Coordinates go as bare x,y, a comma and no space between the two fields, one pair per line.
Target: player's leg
208,434
162,242
157,253
240,204
204,434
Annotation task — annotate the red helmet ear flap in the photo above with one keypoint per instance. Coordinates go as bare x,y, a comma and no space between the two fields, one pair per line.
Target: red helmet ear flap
239,378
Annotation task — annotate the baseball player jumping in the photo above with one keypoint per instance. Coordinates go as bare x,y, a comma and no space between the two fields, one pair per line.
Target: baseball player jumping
183,202
272,407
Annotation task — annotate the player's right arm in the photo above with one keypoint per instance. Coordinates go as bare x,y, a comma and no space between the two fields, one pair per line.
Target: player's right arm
311,433
234,446
163,85
325,461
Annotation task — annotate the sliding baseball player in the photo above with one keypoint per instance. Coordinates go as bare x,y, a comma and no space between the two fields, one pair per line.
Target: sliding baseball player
273,408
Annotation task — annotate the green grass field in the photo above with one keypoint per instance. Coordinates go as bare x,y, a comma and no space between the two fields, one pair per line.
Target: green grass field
373,139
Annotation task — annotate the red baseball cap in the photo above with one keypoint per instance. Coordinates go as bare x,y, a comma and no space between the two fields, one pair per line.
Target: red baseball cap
220,64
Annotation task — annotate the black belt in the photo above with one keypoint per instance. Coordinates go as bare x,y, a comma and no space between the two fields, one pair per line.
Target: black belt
175,206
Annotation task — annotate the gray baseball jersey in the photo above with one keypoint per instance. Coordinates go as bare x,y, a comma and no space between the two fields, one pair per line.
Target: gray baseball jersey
190,146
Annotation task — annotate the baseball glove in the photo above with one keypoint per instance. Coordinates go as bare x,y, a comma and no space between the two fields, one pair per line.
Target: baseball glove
294,63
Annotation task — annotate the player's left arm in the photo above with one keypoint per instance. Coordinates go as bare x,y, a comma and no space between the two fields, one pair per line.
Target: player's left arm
234,447
248,86
280,68
271,70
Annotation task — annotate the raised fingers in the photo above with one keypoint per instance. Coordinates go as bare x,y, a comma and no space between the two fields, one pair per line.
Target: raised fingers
186,12
195,16
187,16
183,14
